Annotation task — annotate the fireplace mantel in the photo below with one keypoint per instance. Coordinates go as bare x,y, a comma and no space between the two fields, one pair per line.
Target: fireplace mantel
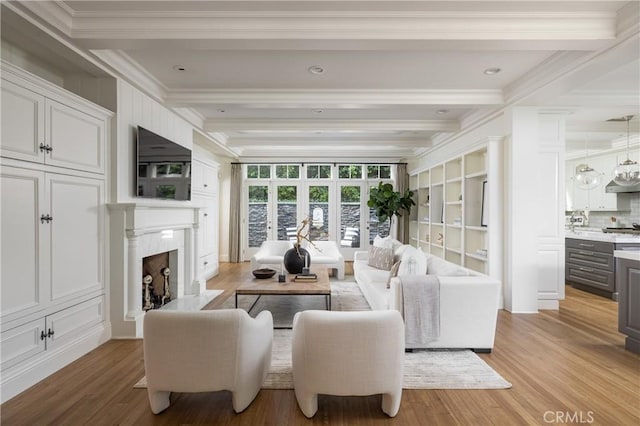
138,230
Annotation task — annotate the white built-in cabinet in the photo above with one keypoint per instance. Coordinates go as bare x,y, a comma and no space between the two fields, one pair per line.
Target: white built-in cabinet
52,219
204,188
596,199
449,221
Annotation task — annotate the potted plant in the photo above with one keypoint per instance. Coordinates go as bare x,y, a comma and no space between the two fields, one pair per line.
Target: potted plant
389,203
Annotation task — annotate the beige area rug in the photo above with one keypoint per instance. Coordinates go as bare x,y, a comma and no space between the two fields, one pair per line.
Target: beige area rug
423,369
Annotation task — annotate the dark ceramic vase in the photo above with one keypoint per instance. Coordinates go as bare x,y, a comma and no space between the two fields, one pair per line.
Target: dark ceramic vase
294,259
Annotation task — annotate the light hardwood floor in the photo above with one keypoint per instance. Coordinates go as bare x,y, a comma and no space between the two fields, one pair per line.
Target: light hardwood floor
567,365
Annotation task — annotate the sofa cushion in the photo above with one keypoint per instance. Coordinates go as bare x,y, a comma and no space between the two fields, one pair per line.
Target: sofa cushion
381,258
413,261
439,266
399,251
386,242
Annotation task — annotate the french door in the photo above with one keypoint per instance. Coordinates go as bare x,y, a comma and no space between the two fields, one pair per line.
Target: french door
352,218
273,213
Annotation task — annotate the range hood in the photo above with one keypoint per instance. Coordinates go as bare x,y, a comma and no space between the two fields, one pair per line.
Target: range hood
614,187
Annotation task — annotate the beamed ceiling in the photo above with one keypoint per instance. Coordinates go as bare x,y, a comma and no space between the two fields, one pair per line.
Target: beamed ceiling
398,77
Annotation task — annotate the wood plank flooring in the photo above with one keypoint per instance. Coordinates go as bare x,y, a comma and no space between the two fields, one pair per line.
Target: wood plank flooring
566,366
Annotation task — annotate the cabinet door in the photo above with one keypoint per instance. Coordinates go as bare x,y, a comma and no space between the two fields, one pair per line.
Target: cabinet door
208,235
76,138
603,200
68,324
24,242
22,123
22,342
76,205
204,178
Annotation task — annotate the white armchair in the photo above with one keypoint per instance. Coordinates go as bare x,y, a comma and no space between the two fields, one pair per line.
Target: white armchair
271,253
206,351
328,254
348,353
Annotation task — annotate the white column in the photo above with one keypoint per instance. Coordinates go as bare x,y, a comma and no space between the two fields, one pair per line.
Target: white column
534,187
133,300
551,208
521,189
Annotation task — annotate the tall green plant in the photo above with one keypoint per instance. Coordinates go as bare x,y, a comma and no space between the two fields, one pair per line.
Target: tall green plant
388,202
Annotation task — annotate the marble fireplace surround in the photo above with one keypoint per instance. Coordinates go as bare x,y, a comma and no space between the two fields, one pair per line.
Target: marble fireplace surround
138,231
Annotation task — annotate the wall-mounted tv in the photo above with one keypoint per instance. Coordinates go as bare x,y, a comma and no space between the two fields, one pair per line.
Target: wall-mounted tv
164,168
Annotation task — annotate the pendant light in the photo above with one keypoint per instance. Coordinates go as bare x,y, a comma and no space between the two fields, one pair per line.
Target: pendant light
586,177
626,173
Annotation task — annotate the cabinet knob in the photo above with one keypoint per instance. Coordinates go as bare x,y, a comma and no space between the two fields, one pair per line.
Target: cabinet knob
206,186
43,335
50,333
206,263
45,218
206,214
43,147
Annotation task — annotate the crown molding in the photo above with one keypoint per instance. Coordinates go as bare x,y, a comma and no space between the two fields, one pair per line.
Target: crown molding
602,98
226,125
54,13
385,154
339,25
334,98
133,72
242,142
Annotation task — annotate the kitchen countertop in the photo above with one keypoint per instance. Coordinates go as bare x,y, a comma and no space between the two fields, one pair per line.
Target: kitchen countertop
601,236
627,254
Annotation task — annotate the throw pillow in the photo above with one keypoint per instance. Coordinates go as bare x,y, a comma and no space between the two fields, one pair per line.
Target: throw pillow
386,242
439,266
399,251
380,258
414,262
393,273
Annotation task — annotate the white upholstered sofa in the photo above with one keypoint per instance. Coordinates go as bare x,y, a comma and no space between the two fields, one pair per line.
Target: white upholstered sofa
469,301
271,253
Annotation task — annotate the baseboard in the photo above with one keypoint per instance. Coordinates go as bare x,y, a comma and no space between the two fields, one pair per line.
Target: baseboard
26,374
548,304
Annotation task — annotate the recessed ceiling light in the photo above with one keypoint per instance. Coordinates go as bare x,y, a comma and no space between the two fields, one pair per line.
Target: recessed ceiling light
179,68
221,110
442,111
318,111
492,71
316,69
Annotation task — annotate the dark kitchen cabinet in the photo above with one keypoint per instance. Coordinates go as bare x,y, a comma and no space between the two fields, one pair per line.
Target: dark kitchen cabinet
590,265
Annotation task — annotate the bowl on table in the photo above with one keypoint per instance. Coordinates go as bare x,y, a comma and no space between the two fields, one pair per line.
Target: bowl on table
264,273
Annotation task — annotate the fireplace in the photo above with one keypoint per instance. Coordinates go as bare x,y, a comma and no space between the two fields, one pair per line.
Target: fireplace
159,280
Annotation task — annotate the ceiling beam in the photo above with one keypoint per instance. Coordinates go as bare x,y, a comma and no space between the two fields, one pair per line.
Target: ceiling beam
333,98
227,125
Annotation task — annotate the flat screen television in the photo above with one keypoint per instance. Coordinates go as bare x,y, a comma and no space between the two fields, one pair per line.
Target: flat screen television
164,167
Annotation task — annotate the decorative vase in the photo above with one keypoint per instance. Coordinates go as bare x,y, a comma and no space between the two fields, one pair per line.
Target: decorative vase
295,259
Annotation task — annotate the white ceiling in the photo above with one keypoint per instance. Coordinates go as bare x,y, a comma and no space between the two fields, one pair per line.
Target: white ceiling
389,66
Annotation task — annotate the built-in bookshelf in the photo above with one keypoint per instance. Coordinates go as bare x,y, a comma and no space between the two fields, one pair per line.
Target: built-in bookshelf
452,215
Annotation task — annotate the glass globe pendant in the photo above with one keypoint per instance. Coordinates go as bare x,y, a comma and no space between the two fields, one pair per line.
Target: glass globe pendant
587,177
627,173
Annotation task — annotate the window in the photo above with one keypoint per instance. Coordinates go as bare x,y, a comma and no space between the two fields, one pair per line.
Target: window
351,171
258,171
378,172
318,171
288,171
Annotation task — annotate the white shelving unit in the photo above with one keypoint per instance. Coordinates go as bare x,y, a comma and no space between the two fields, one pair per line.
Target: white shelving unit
450,221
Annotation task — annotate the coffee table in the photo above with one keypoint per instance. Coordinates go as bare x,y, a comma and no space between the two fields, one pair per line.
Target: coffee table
256,287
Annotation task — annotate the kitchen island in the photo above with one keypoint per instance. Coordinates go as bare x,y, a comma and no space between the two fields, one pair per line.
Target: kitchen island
589,260
628,285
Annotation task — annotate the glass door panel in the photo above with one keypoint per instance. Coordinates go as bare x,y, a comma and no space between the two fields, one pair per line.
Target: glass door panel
286,212
373,224
258,217
318,208
352,231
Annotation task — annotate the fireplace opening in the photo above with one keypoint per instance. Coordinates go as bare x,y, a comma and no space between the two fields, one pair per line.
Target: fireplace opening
158,281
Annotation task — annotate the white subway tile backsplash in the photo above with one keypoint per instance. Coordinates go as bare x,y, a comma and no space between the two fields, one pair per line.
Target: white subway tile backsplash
623,218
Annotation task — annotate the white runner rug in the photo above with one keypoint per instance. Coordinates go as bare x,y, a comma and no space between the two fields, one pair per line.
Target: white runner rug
423,369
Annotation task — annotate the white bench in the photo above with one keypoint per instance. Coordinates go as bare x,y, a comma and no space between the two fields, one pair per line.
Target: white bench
271,253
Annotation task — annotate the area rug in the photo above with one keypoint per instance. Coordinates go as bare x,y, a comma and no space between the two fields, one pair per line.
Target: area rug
423,369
